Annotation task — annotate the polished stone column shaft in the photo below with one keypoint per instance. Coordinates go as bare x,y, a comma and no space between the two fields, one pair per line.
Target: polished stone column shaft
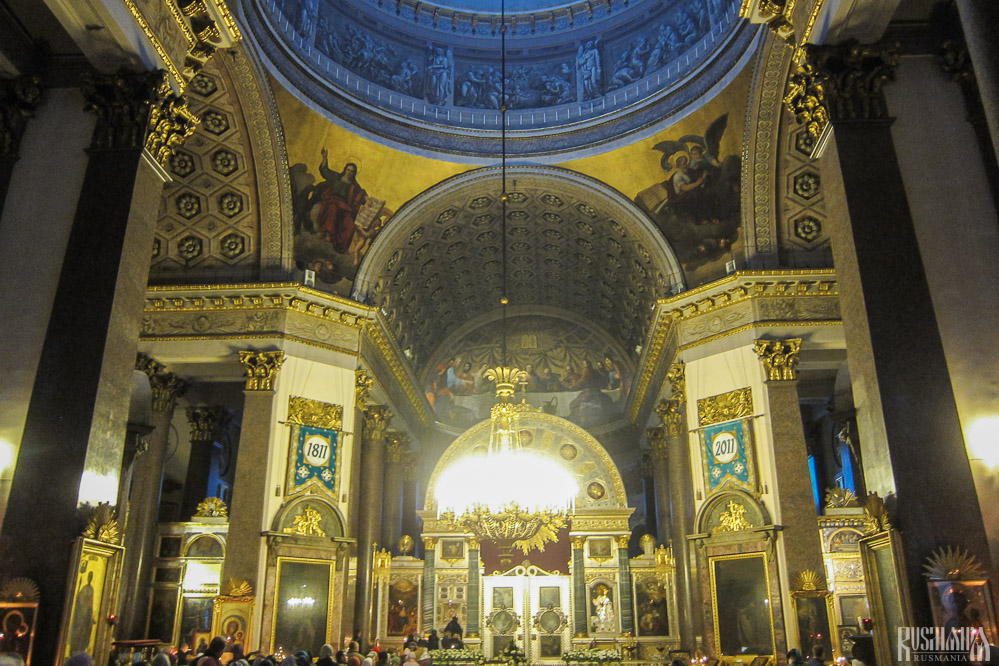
579,600
376,419
143,513
626,606
393,483
246,515
474,583
429,583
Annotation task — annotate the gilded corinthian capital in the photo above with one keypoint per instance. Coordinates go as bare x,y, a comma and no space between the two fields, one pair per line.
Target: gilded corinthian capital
840,83
166,386
261,368
779,358
657,440
670,412
205,423
18,99
376,420
676,376
396,447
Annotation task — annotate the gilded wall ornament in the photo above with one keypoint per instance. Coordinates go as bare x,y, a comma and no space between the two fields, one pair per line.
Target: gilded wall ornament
236,587
678,382
376,420
102,525
396,447
657,440
363,383
779,358
953,563
725,406
808,580
19,590
406,545
261,367
304,411
733,520
307,524
837,498
170,123
670,412
166,386
211,507
876,517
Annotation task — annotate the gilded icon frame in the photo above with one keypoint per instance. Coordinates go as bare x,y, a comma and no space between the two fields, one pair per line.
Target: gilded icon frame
804,600
28,613
713,563
91,557
234,609
887,590
327,614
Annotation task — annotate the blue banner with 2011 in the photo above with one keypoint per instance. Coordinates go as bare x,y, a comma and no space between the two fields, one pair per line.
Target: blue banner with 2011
315,458
728,451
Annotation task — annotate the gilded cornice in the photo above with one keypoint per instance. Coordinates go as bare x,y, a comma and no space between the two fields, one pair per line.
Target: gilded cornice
278,311
743,301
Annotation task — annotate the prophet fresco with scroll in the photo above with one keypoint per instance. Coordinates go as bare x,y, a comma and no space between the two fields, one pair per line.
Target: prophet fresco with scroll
335,220
697,205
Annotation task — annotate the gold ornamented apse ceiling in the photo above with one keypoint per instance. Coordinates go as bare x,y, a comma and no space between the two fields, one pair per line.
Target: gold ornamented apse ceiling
573,244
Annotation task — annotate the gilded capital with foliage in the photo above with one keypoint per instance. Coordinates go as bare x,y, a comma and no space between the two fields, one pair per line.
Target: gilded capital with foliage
376,420
658,442
676,376
205,423
260,368
18,99
779,358
396,447
670,412
166,386
840,83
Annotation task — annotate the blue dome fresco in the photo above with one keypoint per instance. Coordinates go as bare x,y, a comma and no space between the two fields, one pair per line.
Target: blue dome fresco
428,73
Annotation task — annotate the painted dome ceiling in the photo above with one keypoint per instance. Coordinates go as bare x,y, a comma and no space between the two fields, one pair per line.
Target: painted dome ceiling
427,74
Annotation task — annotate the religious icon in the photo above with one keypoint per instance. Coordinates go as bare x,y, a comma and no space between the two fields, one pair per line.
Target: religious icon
452,550
600,549
603,618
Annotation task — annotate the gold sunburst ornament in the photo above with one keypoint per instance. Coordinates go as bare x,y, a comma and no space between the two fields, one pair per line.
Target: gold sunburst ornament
837,498
19,590
212,507
876,517
102,525
808,580
952,563
237,587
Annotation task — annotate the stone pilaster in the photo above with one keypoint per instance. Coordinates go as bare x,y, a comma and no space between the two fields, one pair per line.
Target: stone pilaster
143,511
626,604
396,456
246,515
78,410
206,424
792,481
474,583
18,99
912,448
376,420
579,600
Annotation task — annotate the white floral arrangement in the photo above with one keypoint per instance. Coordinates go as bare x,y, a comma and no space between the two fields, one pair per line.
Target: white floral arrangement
592,656
456,656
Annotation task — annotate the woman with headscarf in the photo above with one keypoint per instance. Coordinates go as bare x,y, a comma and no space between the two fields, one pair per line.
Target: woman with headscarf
326,656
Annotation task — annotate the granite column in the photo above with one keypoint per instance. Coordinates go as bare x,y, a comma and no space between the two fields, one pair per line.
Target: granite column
393,483
206,423
376,419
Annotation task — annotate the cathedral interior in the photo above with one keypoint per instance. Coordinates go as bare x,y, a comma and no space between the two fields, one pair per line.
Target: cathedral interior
605,331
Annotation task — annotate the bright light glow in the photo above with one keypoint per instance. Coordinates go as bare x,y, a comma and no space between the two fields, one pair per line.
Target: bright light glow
534,482
301,602
983,440
6,455
199,575
96,488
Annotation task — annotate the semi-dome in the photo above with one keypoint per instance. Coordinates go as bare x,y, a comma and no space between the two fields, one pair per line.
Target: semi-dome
428,74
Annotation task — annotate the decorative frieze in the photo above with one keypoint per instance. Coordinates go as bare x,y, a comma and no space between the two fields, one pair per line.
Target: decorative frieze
725,407
316,413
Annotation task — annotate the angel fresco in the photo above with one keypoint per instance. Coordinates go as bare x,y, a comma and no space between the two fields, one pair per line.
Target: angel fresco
335,220
697,205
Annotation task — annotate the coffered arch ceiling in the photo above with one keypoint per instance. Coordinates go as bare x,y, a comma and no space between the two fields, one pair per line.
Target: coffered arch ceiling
573,244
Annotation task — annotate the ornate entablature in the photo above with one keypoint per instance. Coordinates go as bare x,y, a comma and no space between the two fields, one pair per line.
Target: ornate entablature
279,312
743,302
578,73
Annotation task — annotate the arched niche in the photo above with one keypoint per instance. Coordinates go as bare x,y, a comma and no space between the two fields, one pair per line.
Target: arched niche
295,520
600,484
729,509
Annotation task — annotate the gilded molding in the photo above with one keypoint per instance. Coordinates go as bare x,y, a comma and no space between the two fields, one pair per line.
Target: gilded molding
155,41
261,367
205,423
725,407
318,414
18,99
779,358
